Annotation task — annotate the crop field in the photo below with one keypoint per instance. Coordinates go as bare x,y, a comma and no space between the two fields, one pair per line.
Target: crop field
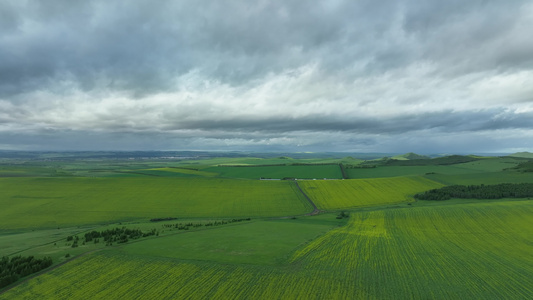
279,172
466,251
343,194
484,166
263,242
58,202
508,176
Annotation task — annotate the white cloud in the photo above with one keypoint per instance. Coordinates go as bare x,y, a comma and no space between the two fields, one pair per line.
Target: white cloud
345,76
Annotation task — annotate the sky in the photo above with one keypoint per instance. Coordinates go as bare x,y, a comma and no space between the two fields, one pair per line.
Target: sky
302,76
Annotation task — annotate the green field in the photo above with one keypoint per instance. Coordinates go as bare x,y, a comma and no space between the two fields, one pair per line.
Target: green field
257,239
279,172
343,194
263,242
508,176
59,202
479,167
473,251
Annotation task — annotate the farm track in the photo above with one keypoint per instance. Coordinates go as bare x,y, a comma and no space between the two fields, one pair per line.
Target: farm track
315,209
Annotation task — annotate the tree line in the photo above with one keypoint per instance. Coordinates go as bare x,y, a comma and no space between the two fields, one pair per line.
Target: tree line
110,236
187,226
496,191
17,267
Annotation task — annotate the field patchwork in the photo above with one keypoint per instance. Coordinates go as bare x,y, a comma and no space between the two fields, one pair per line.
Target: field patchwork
467,251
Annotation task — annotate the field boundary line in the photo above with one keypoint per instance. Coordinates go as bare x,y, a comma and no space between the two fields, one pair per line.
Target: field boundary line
315,209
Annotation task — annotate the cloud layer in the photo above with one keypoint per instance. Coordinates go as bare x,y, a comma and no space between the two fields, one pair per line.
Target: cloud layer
387,76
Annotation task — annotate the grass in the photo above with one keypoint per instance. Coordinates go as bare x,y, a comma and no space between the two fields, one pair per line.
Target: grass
279,172
183,171
17,242
508,176
481,167
261,242
62,202
468,251
471,249
343,194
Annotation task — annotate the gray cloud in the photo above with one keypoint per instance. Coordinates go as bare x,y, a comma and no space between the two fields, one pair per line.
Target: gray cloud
278,74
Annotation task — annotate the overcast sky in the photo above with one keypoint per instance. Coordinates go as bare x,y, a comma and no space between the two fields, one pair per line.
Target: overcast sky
358,76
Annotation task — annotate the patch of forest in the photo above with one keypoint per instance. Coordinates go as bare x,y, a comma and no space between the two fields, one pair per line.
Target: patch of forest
17,267
187,226
496,191
110,236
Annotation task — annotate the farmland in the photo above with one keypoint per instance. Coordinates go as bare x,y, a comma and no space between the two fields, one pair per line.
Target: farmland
342,194
218,232
53,202
279,172
472,250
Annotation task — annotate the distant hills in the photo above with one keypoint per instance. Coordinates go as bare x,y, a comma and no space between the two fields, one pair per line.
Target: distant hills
413,159
522,154
410,156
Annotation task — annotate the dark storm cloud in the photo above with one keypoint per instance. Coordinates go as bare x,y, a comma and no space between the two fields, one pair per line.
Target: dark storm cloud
142,47
247,74
444,121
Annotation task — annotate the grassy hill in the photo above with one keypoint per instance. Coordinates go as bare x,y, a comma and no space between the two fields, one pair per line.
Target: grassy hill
522,154
410,156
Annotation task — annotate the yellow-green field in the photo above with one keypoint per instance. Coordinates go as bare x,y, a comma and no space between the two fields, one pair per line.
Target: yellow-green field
463,251
340,194
58,202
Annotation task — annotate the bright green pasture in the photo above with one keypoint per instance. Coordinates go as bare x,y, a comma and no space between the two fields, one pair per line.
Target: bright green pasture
342,194
279,172
261,242
61,202
469,251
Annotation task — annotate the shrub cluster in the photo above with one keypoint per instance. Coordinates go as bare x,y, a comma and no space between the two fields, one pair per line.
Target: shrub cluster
361,166
314,164
187,226
162,219
497,191
17,267
525,166
119,235
342,215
